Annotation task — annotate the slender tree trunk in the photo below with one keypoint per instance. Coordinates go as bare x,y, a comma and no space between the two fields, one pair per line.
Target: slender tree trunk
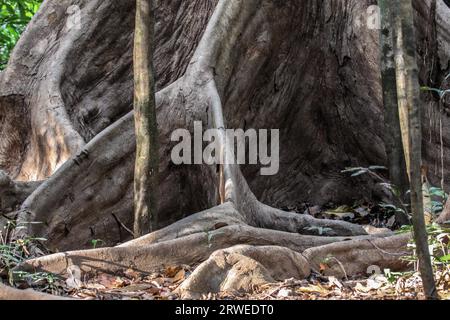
146,169
393,136
401,82
409,97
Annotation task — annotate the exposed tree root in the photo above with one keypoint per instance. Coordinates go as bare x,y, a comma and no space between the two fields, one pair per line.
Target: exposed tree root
247,265
190,247
192,241
241,268
8,293
359,256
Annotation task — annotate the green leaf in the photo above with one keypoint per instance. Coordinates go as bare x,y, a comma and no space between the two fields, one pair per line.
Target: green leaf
377,168
438,192
359,173
388,206
14,17
349,170
39,239
431,89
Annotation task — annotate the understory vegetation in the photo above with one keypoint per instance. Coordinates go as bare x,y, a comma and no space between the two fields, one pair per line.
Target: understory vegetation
14,17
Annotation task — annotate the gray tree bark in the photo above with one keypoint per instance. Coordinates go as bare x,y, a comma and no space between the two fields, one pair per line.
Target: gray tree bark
306,67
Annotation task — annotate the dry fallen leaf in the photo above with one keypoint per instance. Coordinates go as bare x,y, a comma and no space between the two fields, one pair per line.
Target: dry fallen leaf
171,272
361,288
323,267
120,282
335,282
445,295
285,293
313,289
130,273
95,286
136,288
180,276
106,280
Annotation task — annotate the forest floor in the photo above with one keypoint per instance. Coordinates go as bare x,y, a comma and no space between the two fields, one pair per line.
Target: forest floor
162,285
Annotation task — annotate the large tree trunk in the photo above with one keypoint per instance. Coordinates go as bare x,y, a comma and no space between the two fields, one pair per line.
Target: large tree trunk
309,68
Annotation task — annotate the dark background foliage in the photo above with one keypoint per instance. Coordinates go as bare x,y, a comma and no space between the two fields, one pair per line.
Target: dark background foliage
14,17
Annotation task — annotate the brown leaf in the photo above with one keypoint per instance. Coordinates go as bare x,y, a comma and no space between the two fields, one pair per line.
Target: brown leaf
106,280
180,276
120,283
130,273
445,295
314,289
96,286
136,288
361,288
171,272
154,291
323,267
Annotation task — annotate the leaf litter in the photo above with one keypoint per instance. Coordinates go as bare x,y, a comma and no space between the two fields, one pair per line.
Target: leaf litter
131,285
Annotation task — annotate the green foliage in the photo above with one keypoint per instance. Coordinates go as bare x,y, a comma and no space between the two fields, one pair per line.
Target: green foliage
437,197
371,171
14,17
438,236
46,282
12,253
358,171
439,246
440,92
96,242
